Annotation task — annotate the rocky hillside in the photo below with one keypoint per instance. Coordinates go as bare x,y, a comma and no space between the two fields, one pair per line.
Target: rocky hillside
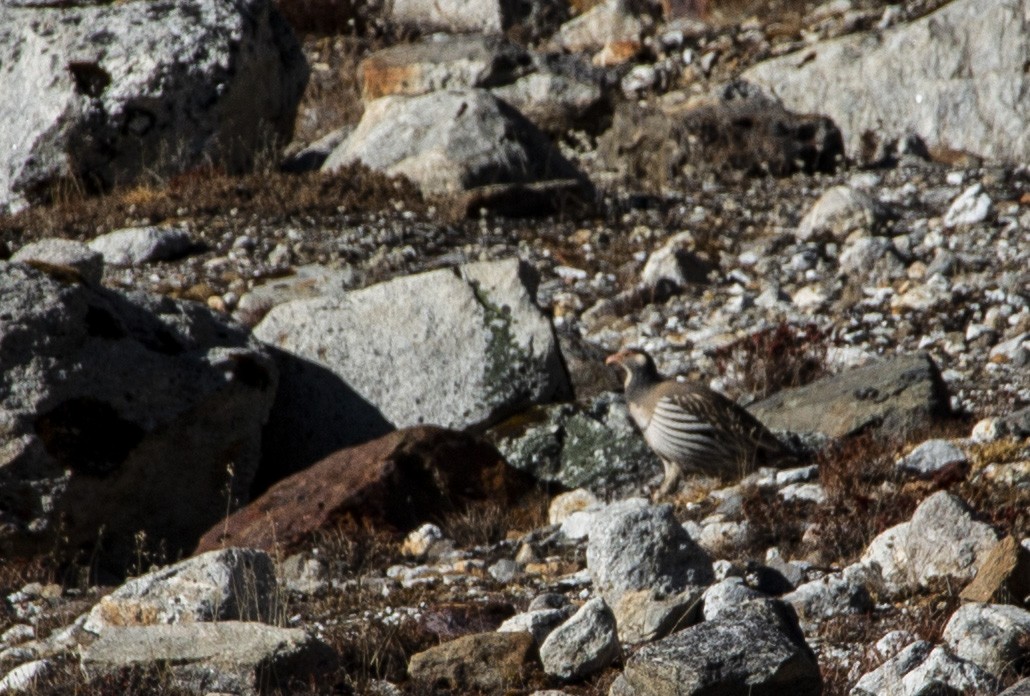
304,311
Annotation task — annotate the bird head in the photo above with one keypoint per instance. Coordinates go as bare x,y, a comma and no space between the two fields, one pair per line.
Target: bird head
638,366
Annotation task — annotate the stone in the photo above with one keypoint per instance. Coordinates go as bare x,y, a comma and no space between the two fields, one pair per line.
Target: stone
1020,688
102,94
24,677
420,540
942,542
536,18
920,78
674,263
351,371
585,644
137,245
485,661
874,257
63,253
971,207
735,127
835,594
991,636
442,62
893,396
451,141
1003,577
592,445
725,596
607,22
922,670
538,623
745,650
244,658
841,211
561,93
564,505
89,451
376,482
931,457
639,546
647,615
305,574
226,585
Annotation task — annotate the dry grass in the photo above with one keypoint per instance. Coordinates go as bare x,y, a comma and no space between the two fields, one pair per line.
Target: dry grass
774,359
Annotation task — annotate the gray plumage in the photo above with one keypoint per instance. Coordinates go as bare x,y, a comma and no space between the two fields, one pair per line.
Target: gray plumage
691,428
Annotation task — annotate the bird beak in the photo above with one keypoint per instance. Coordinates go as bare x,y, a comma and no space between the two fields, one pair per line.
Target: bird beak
615,358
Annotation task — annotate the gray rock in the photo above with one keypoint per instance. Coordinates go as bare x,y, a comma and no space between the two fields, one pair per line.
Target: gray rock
921,670
1015,351
116,405
504,570
833,595
306,282
352,371
583,645
591,445
639,546
138,245
894,395
537,17
24,677
490,662
104,94
674,263
304,574
64,253
562,92
442,62
724,596
227,585
747,650
451,141
1020,688
991,636
610,21
311,157
922,77
538,623
239,657
932,456
646,567
971,207
840,211
940,542
872,257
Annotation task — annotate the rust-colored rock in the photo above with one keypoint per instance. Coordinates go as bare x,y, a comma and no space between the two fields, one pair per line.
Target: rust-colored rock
1004,576
399,480
485,661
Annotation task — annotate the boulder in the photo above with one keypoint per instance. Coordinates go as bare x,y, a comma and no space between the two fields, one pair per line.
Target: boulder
227,585
1003,577
942,542
137,245
583,645
244,658
130,422
456,348
747,650
924,78
922,670
932,457
450,141
991,636
105,94
894,396
401,479
840,211
485,661
735,127
592,445
647,568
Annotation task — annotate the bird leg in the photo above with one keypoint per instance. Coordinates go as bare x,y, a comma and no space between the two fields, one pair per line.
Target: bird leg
671,482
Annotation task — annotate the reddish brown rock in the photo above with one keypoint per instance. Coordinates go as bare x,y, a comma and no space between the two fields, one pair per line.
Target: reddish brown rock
486,661
399,480
1004,576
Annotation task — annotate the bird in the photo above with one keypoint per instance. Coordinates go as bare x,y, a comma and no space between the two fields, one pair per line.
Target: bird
693,429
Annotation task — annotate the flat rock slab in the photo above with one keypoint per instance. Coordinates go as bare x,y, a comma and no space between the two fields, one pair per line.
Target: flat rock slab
485,661
401,479
928,77
455,348
894,396
232,656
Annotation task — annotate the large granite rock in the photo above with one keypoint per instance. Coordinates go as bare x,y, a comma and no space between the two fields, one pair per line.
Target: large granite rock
489,662
107,93
894,395
129,422
451,348
931,77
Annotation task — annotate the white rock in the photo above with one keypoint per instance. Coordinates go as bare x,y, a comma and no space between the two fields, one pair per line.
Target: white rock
137,245
22,679
991,636
418,541
932,456
64,252
840,211
583,645
565,504
973,206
